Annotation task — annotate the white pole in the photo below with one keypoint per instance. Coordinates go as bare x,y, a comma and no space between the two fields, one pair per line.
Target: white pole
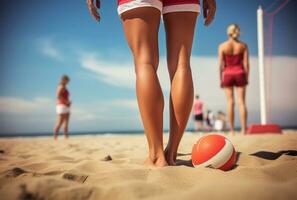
261,65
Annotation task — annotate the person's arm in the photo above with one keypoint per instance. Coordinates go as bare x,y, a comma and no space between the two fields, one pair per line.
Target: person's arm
246,63
221,62
94,9
209,11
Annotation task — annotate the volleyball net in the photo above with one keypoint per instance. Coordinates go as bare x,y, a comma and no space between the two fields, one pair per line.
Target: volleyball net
266,17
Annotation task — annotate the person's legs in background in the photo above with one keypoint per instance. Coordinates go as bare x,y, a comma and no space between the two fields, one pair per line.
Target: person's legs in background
60,120
241,91
230,107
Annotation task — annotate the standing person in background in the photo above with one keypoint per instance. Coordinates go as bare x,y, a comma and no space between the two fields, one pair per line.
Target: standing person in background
198,113
63,107
210,119
141,22
220,121
234,73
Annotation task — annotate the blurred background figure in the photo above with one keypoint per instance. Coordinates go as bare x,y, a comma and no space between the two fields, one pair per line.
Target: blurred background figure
220,121
62,107
234,73
210,120
198,113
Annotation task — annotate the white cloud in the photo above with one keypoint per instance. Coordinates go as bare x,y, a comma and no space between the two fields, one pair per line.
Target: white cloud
204,69
205,72
23,106
48,49
116,74
38,114
128,103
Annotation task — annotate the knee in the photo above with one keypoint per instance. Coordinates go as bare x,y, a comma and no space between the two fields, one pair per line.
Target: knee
181,69
231,102
241,103
145,63
184,67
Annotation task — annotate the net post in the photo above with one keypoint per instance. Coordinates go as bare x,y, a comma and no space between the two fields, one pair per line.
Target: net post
261,65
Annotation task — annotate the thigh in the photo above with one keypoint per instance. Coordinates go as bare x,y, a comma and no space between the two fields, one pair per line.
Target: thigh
63,118
141,26
240,92
67,116
180,28
60,119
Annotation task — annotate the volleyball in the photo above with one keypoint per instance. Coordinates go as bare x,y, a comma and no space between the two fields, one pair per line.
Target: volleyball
214,151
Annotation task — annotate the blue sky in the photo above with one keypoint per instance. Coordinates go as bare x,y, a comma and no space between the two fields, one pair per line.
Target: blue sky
41,40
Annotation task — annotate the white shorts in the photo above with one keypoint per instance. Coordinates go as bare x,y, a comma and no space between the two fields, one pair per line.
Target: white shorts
164,6
62,109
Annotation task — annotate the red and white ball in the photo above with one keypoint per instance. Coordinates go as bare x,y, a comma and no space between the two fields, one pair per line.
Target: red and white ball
214,151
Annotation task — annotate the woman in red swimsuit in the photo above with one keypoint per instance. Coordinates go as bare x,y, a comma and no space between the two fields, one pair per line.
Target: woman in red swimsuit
62,107
141,21
234,72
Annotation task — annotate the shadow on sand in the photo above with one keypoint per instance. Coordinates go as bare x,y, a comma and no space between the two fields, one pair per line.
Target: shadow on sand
274,155
188,163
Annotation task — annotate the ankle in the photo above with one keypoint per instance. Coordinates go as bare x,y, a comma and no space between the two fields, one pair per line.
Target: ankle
155,155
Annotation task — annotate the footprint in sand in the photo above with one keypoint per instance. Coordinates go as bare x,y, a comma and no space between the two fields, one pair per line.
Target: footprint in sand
15,172
107,158
26,195
75,177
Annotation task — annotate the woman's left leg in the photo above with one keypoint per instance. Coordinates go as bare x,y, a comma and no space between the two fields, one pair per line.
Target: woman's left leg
180,28
241,91
66,123
141,26
60,120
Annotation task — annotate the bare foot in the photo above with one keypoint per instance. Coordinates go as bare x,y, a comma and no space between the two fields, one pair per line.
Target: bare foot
232,133
161,162
148,162
170,157
157,162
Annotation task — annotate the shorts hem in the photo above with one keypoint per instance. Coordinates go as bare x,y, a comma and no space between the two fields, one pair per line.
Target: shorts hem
135,4
181,8
62,109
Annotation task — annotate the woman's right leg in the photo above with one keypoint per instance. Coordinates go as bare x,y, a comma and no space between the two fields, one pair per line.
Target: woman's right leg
141,26
230,107
59,123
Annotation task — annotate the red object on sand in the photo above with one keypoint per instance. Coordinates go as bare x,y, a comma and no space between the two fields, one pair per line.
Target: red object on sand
263,129
214,151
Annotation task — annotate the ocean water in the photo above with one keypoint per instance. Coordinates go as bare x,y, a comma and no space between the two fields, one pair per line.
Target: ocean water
124,132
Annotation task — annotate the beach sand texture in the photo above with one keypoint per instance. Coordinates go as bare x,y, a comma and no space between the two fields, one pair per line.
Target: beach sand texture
40,169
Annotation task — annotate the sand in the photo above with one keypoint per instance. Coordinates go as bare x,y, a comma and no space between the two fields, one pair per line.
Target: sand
78,168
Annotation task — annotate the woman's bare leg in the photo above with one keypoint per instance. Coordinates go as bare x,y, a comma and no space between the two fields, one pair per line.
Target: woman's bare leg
198,126
59,123
230,107
141,27
180,28
66,123
242,108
